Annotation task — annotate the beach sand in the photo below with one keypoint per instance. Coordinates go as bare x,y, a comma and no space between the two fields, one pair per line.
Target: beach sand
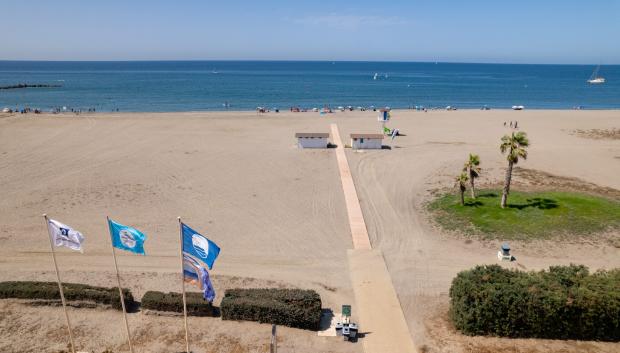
277,212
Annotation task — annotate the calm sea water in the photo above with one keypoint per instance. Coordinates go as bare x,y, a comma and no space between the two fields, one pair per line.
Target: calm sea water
244,85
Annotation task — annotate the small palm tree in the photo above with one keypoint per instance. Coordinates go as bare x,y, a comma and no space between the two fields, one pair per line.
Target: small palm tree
461,183
473,170
515,146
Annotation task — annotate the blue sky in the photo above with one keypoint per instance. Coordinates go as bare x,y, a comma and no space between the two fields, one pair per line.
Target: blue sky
523,31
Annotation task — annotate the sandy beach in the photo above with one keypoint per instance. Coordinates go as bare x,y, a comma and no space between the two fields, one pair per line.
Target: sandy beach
278,213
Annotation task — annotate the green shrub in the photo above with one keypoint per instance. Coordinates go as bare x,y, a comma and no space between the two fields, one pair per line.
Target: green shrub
72,291
565,302
287,307
196,305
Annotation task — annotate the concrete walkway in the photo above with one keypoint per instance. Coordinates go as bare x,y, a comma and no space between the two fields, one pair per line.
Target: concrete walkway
380,316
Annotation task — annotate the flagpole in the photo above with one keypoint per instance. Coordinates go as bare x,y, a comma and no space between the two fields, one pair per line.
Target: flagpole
120,291
183,286
62,294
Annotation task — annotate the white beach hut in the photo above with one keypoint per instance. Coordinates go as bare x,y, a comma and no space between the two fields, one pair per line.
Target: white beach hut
312,139
366,141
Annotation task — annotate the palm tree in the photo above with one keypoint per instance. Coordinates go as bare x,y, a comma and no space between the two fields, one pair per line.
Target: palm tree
472,167
515,145
461,182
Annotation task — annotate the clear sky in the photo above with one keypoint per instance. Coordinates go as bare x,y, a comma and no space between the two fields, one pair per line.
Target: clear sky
518,31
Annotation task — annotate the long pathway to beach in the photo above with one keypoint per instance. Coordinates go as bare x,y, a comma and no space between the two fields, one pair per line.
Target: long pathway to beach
380,315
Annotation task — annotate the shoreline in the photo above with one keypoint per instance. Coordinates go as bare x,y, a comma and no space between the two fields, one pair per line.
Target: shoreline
286,112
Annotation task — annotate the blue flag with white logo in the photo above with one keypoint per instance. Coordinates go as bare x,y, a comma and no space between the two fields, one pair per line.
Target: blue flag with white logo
127,238
199,247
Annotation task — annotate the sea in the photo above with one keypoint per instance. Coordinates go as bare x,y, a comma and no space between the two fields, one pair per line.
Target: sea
155,86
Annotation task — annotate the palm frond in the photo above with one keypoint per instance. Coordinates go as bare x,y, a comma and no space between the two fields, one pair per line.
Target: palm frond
461,180
521,139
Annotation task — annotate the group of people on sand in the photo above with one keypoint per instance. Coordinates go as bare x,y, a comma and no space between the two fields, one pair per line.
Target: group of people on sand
55,110
514,126
26,110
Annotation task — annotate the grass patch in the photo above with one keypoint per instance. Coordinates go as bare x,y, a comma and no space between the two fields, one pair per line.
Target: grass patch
536,215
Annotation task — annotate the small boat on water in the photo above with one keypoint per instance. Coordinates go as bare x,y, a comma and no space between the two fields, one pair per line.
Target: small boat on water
375,77
518,107
595,78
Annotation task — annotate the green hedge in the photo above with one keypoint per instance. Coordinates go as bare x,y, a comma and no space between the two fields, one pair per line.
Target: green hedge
72,291
565,302
287,307
196,305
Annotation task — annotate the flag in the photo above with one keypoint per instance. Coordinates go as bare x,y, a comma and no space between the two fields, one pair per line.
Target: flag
196,274
199,247
63,235
207,287
191,270
126,238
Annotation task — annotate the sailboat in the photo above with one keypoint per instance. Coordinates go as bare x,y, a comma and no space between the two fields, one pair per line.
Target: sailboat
595,78
375,76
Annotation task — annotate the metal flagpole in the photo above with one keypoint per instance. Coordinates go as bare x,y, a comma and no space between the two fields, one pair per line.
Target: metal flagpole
120,291
183,286
62,294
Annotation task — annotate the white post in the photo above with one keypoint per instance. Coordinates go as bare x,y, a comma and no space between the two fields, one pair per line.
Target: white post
183,286
120,290
62,294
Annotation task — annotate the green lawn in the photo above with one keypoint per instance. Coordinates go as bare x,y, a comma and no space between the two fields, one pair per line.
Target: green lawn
537,215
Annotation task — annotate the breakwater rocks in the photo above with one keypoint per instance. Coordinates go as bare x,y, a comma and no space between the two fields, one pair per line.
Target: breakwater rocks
26,85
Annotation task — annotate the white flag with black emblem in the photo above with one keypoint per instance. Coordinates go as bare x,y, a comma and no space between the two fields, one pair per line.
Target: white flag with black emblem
63,235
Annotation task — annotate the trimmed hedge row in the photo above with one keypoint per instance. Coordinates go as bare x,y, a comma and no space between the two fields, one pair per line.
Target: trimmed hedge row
288,307
72,291
565,302
196,305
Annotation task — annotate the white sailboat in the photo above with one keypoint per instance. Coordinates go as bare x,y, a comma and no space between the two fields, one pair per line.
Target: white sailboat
595,78
375,76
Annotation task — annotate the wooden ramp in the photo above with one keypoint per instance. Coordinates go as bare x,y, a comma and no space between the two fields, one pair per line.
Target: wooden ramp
380,316
356,218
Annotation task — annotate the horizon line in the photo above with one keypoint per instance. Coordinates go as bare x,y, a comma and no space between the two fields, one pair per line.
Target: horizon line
303,60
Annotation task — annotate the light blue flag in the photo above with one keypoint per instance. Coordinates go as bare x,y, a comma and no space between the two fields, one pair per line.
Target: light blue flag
199,247
127,238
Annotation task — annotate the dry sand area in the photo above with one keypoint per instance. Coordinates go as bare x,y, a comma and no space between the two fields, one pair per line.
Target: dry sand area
277,212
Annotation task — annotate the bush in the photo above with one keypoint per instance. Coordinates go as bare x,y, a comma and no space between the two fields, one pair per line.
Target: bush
72,291
565,302
196,305
287,307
